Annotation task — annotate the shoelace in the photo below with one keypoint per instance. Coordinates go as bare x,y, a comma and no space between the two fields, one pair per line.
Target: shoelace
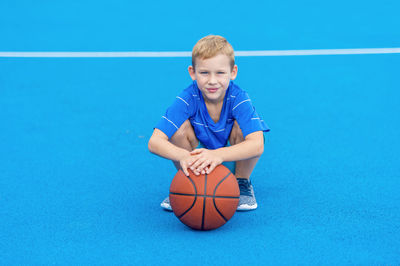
244,186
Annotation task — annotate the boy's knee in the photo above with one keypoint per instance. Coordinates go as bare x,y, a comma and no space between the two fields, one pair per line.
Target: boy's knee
236,135
184,133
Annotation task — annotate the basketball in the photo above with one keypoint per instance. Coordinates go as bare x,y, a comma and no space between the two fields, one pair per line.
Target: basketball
204,202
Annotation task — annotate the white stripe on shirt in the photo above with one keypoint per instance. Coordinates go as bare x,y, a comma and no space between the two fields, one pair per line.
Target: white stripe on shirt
182,100
170,122
240,103
200,124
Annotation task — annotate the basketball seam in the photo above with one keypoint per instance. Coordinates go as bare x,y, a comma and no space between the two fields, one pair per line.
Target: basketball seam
204,201
195,198
203,196
215,191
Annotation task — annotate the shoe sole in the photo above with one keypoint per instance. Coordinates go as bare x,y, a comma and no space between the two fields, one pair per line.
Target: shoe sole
245,207
166,207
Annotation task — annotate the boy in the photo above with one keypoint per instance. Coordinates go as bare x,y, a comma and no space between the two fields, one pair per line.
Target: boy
212,121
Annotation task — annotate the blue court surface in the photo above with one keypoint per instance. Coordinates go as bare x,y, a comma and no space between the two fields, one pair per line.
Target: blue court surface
78,185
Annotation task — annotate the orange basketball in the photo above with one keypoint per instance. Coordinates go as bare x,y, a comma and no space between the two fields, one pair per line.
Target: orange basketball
204,202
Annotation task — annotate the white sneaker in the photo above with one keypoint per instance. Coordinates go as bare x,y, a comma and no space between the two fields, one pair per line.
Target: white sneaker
247,200
166,205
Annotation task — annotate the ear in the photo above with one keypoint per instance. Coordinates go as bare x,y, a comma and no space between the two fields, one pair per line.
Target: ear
192,72
234,72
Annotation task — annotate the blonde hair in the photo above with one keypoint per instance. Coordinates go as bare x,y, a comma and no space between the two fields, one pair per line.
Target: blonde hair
211,46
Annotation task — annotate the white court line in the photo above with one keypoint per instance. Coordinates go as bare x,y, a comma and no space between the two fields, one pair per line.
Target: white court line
189,54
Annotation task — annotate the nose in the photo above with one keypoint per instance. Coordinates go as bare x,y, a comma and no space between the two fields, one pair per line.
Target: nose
212,80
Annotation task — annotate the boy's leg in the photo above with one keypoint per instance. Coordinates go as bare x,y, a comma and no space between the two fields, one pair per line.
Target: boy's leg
243,168
184,138
243,171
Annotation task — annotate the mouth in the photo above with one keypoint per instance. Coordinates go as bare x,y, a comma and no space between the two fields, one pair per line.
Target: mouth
212,90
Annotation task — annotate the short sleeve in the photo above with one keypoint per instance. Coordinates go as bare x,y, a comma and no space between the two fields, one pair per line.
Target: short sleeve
245,114
176,114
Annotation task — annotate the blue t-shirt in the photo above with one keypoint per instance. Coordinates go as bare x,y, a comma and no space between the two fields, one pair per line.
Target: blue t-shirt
190,105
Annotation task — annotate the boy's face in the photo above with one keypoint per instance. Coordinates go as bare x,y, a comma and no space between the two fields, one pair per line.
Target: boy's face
213,76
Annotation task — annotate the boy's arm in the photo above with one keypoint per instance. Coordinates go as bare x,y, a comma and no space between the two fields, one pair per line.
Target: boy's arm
160,145
207,160
252,146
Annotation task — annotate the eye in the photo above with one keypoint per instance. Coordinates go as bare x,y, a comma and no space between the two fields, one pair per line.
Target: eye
203,72
220,73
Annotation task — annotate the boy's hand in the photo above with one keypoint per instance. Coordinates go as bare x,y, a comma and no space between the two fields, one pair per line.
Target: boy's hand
185,163
204,161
